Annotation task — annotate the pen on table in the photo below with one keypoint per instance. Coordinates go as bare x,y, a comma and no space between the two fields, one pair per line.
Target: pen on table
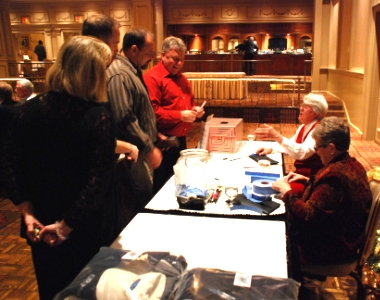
203,104
235,159
216,195
134,284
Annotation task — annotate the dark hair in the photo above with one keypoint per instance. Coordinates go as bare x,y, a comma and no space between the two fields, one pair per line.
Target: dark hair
6,90
333,130
136,36
100,26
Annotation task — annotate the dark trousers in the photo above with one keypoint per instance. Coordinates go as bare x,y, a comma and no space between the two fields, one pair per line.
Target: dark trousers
56,267
163,173
248,66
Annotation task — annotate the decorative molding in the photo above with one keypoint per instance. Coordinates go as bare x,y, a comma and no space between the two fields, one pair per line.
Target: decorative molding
39,18
192,13
70,16
15,18
65,17
230,13
286,11
280,11
121,15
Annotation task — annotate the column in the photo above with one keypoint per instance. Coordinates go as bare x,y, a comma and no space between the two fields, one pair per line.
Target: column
7,49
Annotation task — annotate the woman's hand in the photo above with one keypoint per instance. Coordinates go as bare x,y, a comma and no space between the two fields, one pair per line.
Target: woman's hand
268,132
291,177
49,236
264,151
281,186
55,234
33,227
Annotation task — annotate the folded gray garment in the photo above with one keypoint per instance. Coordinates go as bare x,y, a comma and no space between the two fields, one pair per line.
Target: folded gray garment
154,274
217,284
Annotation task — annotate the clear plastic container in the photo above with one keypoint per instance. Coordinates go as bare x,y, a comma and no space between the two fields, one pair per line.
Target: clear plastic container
191,174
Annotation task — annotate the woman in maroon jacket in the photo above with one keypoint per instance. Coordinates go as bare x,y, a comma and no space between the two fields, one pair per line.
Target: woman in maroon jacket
330,218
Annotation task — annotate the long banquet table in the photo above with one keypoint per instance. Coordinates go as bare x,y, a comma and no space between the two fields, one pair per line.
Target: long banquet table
249,246
226,169
217,237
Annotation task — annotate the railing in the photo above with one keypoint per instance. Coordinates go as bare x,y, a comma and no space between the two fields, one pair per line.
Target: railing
35,71
247,90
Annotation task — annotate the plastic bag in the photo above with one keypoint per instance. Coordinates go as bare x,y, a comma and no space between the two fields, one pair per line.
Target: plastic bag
152,275
216,284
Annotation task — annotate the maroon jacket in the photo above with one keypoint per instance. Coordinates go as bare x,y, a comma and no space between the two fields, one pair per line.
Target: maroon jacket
331,216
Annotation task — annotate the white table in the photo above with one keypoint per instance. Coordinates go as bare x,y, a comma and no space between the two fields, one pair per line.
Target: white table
255,247
225,169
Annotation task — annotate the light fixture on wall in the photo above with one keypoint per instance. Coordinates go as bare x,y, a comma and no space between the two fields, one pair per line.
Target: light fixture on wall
25,20
79,18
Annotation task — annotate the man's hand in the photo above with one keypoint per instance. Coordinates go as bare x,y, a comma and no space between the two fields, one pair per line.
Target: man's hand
199,110
133,155
128,150
154,158
188,115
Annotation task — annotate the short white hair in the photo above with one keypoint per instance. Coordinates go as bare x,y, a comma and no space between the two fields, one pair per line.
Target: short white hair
318,103
27,84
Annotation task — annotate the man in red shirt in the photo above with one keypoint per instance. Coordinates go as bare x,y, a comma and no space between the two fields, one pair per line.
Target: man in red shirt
172,100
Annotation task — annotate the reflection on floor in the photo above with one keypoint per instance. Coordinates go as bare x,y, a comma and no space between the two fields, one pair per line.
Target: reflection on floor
17,280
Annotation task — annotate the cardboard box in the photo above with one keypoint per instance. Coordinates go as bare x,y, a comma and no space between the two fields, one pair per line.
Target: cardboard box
224,134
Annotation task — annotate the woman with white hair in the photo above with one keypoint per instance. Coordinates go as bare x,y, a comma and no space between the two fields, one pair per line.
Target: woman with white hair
300,146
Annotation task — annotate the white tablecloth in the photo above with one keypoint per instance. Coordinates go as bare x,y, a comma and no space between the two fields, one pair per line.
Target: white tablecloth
256,247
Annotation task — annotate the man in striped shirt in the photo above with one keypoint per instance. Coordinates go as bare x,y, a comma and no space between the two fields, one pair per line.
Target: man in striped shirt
134,114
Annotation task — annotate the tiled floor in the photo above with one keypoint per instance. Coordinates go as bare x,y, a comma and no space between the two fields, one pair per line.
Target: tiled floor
17,279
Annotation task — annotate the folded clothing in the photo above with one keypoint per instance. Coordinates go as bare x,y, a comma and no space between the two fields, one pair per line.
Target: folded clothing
217,284
109,275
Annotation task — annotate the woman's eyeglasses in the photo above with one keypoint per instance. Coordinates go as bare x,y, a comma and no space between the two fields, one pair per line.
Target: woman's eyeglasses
317,147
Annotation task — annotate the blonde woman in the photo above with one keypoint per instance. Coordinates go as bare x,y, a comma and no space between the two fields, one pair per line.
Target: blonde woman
61,156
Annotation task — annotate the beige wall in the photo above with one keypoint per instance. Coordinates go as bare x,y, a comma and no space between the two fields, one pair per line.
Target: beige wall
348,86
350,68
